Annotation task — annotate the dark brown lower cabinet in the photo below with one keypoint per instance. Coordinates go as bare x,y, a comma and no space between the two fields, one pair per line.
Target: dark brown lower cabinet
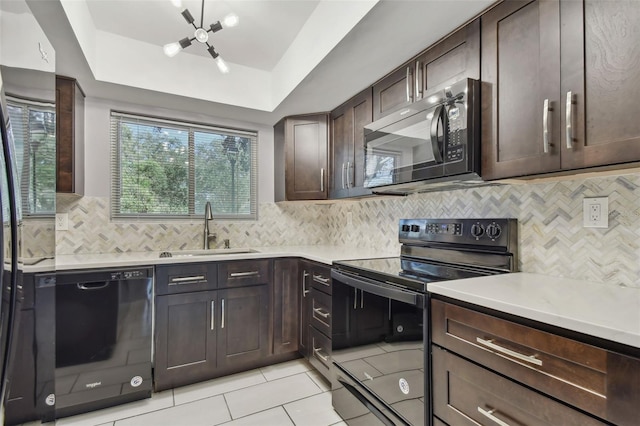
467,394
206,334
286,306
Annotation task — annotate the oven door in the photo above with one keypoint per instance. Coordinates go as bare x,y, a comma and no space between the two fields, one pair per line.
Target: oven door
378,351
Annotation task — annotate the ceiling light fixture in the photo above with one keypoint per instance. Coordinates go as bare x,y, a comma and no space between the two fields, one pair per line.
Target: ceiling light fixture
202,35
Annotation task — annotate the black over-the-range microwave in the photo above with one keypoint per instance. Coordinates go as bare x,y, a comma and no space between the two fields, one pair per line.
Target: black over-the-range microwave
433,141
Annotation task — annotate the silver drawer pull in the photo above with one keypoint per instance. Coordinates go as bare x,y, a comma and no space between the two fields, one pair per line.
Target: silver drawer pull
569,119
320,279
546,138
527,358
321,313
489,415
244,274
316,352
187,280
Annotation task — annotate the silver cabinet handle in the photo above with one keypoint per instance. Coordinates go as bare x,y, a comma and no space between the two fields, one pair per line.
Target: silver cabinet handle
305,274
321,279
222,316
355,298
489,415
322,179
408,81
527,358
417,81
545,127
195,279
316,351
213,314
569,120
348,174
361,299
343,184
244,274
321,313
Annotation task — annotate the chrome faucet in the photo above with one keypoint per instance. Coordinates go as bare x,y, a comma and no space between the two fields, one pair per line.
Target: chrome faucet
208,215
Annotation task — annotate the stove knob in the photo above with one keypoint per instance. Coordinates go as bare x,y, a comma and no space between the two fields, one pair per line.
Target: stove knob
477,230
494,231
405,228
415,228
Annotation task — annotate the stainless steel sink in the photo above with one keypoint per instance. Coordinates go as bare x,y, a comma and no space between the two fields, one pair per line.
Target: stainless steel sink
209,252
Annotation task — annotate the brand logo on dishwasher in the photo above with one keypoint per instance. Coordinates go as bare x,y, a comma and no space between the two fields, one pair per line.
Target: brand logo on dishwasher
93,385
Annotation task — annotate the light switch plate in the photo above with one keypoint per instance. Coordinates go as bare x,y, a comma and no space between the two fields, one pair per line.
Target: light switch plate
595,212
62,221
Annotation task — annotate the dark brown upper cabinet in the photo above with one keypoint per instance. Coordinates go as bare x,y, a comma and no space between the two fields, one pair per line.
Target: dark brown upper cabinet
560,80
453,58
69,136
301,150
347,146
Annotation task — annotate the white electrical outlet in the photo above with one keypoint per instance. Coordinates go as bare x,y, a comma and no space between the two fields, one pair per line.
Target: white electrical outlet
595,212
62,221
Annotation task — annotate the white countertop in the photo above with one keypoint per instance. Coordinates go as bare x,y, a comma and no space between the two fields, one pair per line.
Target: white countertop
324,254
601,310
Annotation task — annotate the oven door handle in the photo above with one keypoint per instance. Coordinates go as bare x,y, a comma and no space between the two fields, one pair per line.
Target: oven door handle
379,288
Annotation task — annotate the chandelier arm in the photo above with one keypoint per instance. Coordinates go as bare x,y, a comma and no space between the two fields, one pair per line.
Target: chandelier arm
202,15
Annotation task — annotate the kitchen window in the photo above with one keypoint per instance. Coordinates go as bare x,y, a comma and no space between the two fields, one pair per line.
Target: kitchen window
170,169
33,126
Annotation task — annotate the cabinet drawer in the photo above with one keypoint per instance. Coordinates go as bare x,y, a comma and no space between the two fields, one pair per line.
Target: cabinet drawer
321,312
244,272
185,278
320,356
466,394
321,279
593,379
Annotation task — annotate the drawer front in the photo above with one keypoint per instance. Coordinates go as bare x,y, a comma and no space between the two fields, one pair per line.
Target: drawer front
244,272
320,356
321,278
593,379
321,312
466,394
185,278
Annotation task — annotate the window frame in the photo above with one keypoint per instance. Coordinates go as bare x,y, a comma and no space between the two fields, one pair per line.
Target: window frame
117,117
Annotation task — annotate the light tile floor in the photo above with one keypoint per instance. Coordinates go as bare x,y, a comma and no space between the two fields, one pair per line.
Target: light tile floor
291,393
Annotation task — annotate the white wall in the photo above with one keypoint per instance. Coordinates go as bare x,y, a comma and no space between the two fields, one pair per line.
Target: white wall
98,151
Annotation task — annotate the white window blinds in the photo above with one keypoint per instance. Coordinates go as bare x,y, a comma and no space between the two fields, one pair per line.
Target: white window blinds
164,168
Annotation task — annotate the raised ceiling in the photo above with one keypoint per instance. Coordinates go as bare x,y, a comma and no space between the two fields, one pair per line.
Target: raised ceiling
286,57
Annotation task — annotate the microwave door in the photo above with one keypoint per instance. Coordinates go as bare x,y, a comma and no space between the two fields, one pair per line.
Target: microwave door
393,152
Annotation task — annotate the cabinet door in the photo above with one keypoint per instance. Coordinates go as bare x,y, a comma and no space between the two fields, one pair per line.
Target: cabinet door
185,344
286,310
347,145
454,58
70,136
601,72
394,92
243,331
306,140
521,75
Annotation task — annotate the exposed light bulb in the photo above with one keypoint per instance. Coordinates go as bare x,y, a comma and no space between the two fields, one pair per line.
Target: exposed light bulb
222,65
172,49
231,20
177,3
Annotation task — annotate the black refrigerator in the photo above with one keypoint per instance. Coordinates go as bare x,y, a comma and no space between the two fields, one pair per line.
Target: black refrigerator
9,274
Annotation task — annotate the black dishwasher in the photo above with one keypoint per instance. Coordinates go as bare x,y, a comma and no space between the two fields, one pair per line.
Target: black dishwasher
102,339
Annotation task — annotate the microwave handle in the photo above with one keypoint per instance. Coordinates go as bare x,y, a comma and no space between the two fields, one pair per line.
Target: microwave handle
439,116
408,84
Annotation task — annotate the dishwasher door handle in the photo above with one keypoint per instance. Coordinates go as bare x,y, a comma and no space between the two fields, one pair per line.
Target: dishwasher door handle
93,286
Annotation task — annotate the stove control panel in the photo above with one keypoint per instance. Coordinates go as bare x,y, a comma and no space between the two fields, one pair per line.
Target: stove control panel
493,233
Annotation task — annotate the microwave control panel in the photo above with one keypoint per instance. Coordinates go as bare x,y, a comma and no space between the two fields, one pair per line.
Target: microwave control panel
456,135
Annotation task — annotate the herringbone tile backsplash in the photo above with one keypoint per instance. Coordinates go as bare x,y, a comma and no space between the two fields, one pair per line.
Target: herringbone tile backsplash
551,237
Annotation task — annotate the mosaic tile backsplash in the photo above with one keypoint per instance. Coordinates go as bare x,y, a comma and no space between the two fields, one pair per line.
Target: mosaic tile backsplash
551,237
